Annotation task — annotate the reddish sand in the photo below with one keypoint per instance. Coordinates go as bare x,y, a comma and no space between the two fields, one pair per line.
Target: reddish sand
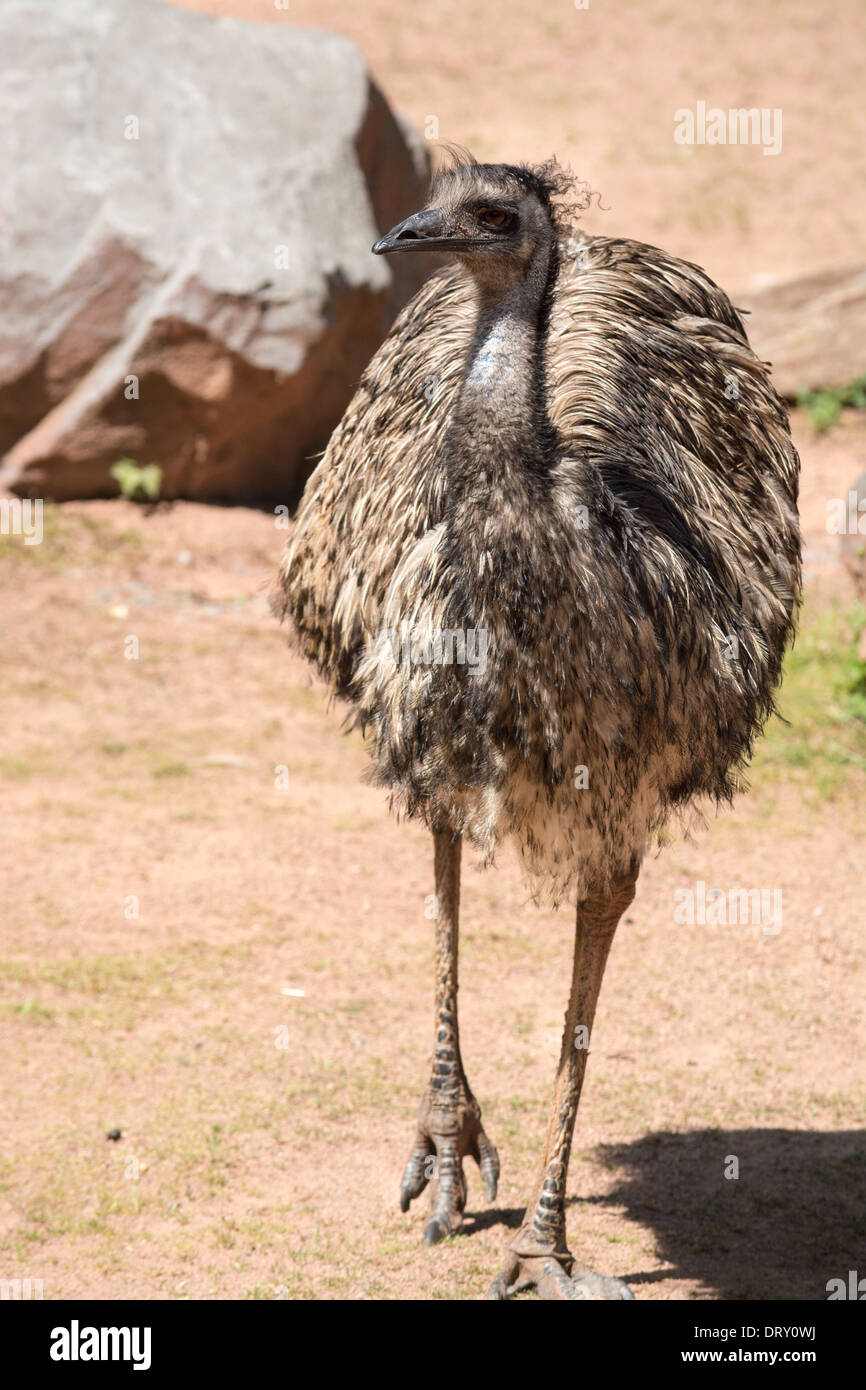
237,974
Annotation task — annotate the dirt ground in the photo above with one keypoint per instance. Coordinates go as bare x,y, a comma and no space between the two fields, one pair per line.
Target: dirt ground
260,1030
214,933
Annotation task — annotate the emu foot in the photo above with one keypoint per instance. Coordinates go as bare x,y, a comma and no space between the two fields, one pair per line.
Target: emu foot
551,1272
445,1137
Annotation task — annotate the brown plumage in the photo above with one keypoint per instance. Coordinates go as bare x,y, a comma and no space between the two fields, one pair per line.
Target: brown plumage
565,458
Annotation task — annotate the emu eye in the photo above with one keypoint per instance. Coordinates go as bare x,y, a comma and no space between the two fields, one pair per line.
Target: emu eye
493,217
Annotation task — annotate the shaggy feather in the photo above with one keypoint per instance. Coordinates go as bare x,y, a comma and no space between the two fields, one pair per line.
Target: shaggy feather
626,536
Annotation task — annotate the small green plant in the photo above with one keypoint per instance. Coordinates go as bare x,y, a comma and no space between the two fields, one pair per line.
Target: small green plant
825,406
856,674
134,481
823,700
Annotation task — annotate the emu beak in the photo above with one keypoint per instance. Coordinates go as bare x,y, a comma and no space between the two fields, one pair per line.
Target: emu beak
422,231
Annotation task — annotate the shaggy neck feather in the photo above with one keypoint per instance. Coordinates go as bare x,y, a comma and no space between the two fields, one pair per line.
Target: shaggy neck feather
500,425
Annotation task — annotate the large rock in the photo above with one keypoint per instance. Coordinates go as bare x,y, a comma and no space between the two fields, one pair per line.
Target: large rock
194,202
813,330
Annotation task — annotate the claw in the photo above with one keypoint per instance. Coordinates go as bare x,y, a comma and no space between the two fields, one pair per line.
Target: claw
503,1284
488,1163
416,1175
548,1276
434,1233
442,1141
601,1286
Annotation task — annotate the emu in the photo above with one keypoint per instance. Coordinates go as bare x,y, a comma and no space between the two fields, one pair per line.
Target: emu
565,443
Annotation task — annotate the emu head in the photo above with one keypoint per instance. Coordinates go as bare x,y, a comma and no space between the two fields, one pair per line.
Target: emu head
493,217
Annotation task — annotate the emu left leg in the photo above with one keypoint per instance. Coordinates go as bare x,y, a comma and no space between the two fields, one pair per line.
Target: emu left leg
449,1121
538,1256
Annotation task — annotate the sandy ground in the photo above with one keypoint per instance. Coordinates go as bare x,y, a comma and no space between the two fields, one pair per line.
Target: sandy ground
264,1130
215,938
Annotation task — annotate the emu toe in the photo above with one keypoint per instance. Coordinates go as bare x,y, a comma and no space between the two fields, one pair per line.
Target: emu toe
548,1276
444,1139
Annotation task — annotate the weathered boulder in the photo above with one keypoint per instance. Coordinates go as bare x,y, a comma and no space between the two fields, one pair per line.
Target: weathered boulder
813,330
185,267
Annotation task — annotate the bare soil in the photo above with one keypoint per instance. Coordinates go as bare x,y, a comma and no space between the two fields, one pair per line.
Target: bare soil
263,1129
215,938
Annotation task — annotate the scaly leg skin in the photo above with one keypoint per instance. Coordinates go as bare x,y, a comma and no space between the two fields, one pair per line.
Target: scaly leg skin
449,1121
538,1256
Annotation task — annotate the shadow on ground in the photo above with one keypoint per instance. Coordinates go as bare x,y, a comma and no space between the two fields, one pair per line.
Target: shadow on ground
509,1218
793,1219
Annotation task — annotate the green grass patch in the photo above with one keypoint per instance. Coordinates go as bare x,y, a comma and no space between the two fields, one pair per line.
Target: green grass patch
823,700
30,1010
825,407
36,761
67,538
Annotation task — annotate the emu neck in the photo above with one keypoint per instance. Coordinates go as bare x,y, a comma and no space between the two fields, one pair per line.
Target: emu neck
500,424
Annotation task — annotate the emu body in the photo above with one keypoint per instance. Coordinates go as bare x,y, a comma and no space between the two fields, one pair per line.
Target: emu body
567,444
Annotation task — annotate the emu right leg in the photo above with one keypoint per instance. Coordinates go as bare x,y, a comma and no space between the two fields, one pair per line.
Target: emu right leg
538,1255
449,1121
